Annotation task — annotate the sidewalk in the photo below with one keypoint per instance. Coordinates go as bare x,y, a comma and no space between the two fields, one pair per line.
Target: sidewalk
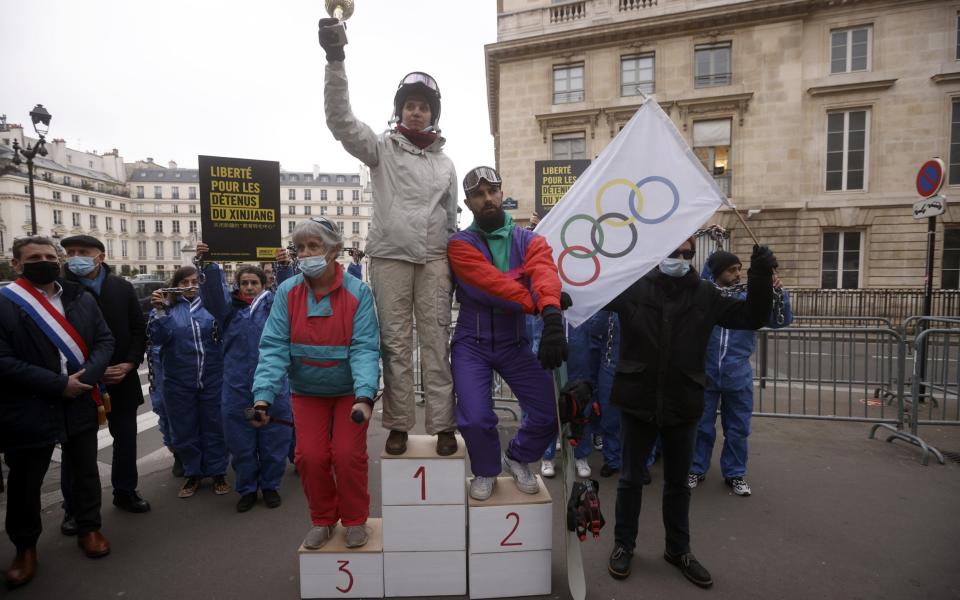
833,515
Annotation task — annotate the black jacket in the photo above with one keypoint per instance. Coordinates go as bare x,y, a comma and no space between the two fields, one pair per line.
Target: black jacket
121,309
665,325
33,411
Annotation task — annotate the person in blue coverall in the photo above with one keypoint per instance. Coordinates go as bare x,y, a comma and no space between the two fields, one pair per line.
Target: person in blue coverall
730,381
192,361
155,366
355,268
258,456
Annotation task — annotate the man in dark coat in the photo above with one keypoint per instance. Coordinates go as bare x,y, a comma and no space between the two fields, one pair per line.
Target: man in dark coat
48,398
119,305
666,318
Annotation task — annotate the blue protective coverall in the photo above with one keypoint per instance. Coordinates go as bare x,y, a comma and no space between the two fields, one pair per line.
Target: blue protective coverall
730,386
192,362
258,456
156,386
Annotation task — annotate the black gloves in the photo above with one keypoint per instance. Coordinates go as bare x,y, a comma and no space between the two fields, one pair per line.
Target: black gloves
565,301
763,260
553,342
328,40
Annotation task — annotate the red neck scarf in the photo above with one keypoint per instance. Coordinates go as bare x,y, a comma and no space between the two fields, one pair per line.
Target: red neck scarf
419,138
240,297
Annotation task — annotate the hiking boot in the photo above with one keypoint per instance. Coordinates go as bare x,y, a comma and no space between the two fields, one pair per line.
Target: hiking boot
583,468
608,471
481,487
220,485
317,537
597,440
525,480
190,487
739,485
690,568
177,470
271,498
619,565
694,479
356,536
446,443
246,502
396,442
548,468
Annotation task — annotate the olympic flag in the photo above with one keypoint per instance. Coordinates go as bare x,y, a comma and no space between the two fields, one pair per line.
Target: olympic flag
644,194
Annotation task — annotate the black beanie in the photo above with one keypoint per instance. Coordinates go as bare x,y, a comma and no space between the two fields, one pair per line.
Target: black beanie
720,261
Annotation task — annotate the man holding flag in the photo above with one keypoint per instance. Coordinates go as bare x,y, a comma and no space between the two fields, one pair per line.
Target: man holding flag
54,348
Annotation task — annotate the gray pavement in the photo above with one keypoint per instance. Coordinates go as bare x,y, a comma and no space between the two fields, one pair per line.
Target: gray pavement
833,515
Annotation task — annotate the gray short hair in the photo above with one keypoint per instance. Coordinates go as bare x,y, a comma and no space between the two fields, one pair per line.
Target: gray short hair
324,230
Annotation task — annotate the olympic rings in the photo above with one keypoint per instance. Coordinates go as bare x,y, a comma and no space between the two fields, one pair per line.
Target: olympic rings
596,266
594,223
673,209
634,192
635,236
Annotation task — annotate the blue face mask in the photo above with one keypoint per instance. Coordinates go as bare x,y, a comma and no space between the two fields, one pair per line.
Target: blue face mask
81,265
313,266
674,267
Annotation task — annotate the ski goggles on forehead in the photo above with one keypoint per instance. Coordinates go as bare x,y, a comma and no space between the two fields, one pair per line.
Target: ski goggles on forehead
478,175
423,78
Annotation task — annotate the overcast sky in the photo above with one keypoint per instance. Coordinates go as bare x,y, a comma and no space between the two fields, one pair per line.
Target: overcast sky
174,79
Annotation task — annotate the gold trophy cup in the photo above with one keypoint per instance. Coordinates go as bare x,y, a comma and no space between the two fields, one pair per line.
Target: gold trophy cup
340,10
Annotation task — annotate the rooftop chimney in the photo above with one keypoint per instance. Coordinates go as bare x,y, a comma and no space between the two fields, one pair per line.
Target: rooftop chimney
172,164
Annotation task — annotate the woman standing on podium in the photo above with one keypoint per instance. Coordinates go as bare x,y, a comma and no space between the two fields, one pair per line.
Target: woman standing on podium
322,332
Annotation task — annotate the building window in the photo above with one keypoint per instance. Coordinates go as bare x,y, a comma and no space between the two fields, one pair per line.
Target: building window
341,179
340,226
339,195
58,217
66,180
841,260
291,194
193,226
955,144
636,75
323,195
291,210
339,211
123,249
323,210
567,146
123,207
290,226
711,144
712,65
143,268
92,201
950,277
306,210
123,225
75,198
356,195
158,226
76,219
108,223
108,204
176,226
356,227
93,221
307,195
175,193
141,226
850,50
193,209
175,249
57,195
192,192
356,211
568,84
847,133
142,249
109,248
139,191
157,191
158,246
176,209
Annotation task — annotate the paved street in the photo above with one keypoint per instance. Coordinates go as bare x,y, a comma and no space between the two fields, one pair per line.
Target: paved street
833,515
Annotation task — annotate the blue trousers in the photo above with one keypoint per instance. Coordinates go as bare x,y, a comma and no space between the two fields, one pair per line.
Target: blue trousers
258,456
196,429
736,408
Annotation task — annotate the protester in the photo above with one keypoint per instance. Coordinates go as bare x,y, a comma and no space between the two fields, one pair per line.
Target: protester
730,380
666,319
415,195
55,347
192,358
503,271
322,333
155,387
355,268
120,307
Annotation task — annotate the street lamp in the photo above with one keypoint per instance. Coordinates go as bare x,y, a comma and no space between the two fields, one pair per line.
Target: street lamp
41,124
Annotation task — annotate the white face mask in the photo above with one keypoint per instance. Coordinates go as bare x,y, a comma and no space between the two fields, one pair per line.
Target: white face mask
313,266
674,267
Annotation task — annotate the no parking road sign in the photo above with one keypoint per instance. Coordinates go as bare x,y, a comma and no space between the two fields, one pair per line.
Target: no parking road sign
930,178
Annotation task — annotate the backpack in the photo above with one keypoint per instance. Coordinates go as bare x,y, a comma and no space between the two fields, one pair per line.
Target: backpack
583,509
577,407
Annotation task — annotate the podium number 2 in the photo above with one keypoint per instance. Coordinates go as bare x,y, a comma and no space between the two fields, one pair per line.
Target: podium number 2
422,474
504,541
343,567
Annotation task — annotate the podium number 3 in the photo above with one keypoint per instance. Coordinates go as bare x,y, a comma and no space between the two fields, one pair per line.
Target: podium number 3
422,474
343,567
516,524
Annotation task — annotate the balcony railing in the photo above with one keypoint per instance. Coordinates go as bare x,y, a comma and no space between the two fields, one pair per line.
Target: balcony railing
626,5
564,13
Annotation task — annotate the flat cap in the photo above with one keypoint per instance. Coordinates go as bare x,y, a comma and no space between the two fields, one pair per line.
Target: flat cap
87,241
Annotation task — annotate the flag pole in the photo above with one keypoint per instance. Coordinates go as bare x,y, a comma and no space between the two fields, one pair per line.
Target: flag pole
742,220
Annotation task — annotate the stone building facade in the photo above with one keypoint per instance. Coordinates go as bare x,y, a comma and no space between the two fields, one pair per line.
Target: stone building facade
814,115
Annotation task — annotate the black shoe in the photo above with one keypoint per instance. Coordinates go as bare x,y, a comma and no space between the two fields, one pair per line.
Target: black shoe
246,502
271,498
69,525
177,469
607,471
645,475
690,568
130,502
619,565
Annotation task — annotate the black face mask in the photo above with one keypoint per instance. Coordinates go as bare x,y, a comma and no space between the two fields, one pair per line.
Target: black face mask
42,272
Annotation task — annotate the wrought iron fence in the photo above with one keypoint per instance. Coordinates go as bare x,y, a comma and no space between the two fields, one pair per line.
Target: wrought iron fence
894,304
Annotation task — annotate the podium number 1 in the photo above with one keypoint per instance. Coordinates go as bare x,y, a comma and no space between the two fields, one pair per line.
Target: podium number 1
343,567
422,474
504,541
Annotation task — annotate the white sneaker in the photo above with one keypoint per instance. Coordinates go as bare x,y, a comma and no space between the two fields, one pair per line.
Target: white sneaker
317,537
481,487
525,480
740,487
583,468
547,468
694,479
597,441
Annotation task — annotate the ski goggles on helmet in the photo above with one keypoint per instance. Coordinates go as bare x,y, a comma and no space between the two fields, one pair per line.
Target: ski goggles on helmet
421,78
478,175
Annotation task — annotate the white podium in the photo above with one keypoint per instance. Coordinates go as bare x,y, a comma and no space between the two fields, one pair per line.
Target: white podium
511,536
336,571
424,520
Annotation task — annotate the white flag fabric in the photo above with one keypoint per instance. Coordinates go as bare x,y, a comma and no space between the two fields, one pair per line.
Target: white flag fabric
642,196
